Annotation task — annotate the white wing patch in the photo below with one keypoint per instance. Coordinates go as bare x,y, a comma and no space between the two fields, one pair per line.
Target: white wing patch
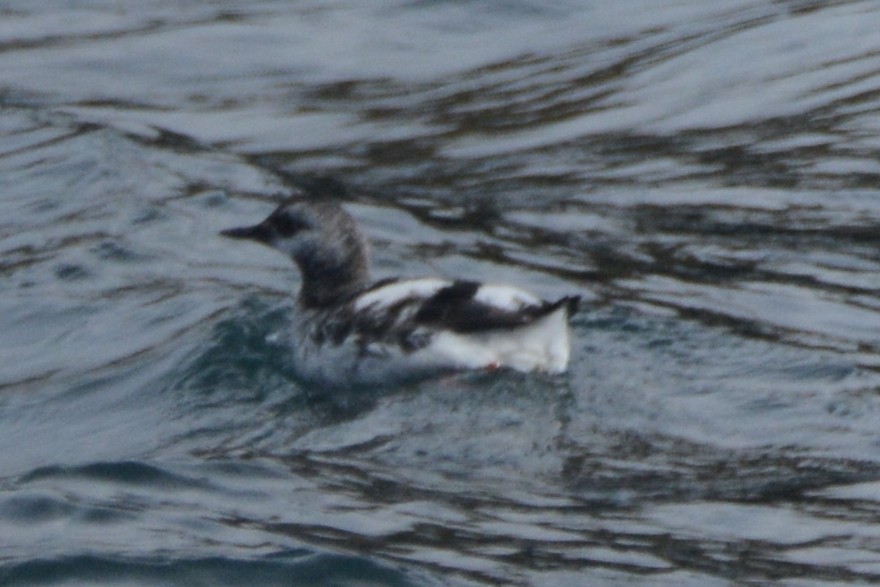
505,297
399,290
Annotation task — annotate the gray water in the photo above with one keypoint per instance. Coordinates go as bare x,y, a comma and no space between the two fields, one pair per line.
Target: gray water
706,174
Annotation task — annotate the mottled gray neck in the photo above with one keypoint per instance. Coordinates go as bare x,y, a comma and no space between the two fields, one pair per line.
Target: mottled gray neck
329,278
332,256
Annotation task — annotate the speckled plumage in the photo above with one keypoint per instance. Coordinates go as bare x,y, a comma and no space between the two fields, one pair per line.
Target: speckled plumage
351,332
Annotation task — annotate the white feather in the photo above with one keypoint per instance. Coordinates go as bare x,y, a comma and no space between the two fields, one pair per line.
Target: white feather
505,297
540,346
398,290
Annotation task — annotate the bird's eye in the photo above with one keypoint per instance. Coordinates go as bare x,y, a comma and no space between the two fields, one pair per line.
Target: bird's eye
285,225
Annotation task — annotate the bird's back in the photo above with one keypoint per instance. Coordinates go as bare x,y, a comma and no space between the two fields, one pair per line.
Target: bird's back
398,330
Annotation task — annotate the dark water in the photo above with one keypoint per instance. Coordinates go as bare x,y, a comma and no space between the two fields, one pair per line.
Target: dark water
705,173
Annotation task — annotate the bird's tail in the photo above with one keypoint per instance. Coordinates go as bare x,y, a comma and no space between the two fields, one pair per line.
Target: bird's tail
570,303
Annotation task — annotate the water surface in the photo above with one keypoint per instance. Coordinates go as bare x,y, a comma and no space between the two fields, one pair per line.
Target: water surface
704,174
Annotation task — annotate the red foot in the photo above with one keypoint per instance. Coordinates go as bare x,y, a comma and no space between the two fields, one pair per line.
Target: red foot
493,366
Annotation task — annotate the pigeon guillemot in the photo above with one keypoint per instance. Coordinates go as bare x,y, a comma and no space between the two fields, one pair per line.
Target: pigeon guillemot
351,332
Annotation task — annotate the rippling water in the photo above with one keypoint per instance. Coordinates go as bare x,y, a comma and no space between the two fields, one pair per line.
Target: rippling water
704,173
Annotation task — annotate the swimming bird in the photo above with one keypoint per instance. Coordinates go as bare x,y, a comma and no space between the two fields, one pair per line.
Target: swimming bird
350,331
